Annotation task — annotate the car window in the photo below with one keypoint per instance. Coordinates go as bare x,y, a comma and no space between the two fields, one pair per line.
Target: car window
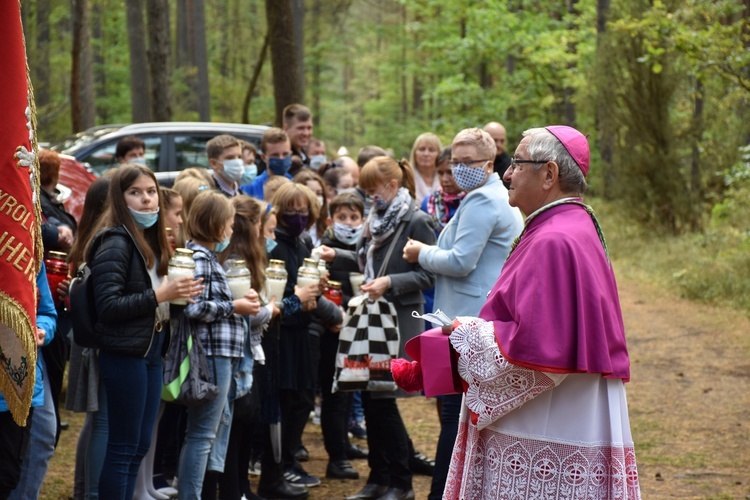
190,149
102,158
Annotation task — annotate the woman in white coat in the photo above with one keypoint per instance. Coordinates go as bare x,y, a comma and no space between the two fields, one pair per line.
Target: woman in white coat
468,257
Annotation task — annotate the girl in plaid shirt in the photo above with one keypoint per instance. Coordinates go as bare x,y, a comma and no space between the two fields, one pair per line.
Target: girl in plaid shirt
220,327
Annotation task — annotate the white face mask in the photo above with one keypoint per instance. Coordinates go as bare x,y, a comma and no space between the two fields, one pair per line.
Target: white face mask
233,169
317,161
347,234
320,200
139,160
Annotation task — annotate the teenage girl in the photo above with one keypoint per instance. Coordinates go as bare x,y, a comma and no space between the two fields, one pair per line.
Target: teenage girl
128,268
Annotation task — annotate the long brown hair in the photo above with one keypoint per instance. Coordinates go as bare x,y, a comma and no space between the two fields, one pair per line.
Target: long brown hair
383,169
151,241
247,213
93,207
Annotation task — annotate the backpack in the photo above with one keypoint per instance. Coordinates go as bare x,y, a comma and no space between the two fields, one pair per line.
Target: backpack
83,315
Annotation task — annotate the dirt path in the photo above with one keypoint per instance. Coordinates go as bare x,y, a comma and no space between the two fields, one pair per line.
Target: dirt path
689,399
689,396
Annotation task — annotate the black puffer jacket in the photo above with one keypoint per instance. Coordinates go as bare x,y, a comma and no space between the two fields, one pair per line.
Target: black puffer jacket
124,298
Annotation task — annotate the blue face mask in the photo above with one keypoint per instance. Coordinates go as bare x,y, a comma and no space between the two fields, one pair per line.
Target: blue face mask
144,220
222,245
249,175
280,166
270,244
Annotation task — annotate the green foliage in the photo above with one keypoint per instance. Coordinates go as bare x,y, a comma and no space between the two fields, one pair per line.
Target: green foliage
674,106
708,266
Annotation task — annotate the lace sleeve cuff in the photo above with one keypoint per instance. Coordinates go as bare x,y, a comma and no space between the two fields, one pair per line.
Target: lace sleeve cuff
496,387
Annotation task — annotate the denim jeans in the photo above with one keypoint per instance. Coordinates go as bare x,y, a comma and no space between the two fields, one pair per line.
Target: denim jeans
202,426
41,446
133,388
96,448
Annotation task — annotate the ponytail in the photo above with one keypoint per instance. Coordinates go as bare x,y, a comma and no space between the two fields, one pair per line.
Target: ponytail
383,169
407,180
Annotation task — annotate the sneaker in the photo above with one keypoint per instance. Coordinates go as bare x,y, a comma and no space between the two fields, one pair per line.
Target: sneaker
420,464
358,430
316,415
298,476
168,491
254,468
302,455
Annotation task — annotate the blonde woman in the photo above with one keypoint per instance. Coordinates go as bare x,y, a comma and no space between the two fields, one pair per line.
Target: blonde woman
423,157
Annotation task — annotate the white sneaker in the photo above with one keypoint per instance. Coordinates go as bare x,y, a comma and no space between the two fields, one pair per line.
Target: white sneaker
168,491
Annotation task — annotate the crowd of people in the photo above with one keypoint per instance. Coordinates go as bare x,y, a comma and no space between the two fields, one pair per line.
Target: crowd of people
429,232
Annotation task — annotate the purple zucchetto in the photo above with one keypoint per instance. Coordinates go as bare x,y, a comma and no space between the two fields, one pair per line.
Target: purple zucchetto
575,143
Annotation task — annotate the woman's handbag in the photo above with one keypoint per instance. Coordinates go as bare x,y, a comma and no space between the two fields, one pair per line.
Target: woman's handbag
187,378
369,342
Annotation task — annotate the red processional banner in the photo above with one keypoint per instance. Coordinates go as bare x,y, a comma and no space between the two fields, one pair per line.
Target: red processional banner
20,243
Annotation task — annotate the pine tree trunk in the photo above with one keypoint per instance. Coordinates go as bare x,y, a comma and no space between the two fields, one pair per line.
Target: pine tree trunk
316,67
100,73
41,80
604,125
140,95
201,60
83,103
182,50
254,81
287,81
298,16
158,58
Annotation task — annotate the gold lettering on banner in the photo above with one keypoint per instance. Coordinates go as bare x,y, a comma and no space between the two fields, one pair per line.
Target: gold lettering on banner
18,254
25,220
22,257
10,202
22,209
8,246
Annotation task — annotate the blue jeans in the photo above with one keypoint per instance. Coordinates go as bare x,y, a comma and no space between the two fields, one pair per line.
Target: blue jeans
202,426
133,388
96,449
41,446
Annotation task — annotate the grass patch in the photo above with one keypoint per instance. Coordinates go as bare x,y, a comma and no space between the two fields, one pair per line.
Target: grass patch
712,266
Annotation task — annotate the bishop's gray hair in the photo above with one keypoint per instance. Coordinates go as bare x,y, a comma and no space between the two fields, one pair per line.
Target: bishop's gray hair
545,146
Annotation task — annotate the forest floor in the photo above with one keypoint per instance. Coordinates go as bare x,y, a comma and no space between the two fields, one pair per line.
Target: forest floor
689,399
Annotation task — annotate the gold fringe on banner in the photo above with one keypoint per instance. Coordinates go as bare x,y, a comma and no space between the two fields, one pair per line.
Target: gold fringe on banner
14,317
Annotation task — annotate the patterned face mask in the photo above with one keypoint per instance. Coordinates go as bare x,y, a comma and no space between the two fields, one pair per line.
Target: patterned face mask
347,234
468,178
